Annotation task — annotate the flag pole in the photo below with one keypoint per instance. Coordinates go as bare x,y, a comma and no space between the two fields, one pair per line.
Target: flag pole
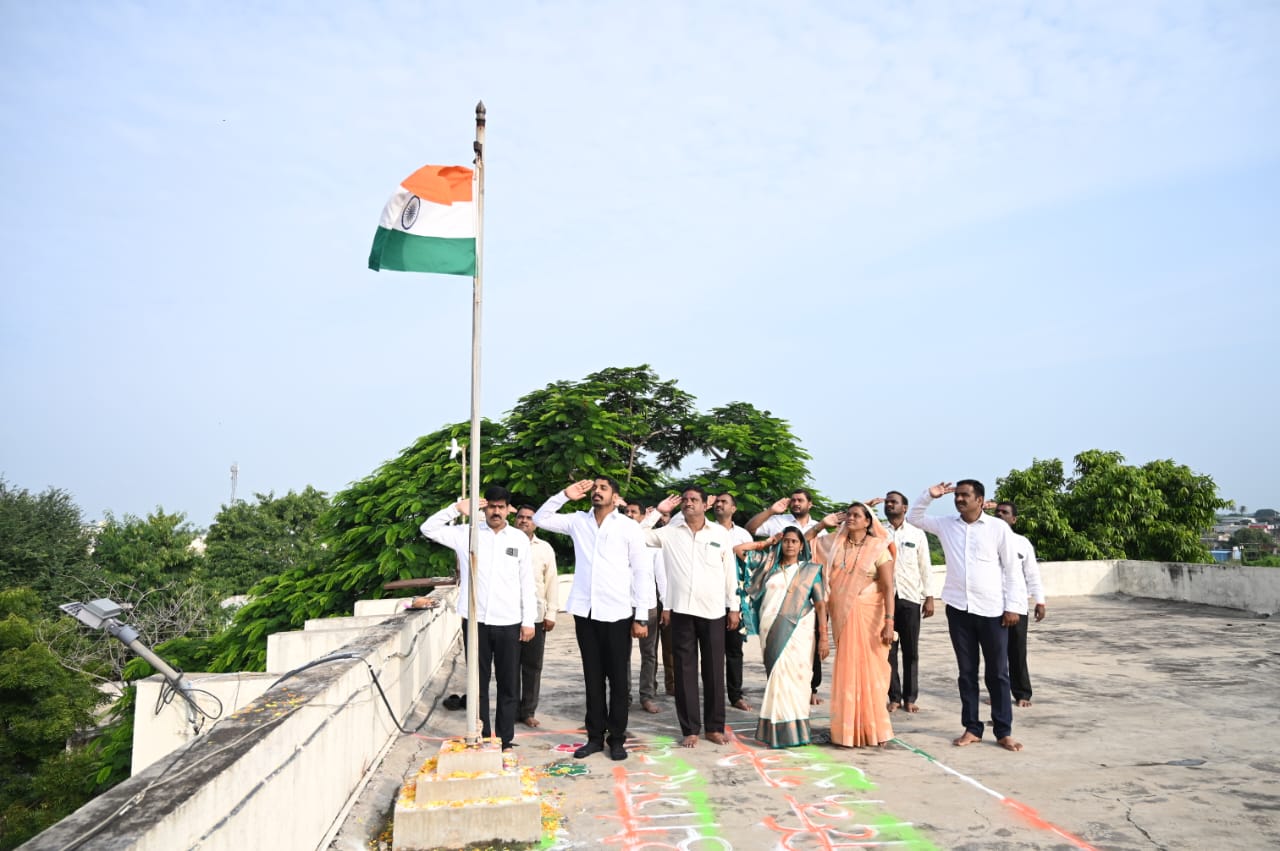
473,646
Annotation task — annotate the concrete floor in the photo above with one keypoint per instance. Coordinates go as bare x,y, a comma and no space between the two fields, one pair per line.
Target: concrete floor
1154,726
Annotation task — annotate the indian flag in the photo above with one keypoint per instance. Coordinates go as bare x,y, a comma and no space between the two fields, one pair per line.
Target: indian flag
429,225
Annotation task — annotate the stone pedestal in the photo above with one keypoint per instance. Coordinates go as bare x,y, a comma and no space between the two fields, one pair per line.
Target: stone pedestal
465,795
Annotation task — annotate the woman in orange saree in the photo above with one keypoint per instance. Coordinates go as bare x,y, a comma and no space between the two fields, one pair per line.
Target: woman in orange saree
858,563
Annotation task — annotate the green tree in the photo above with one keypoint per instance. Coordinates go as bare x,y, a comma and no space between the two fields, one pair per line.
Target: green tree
753,455
1039,494
625,423
43,544
148,552
1255,542
1265,515
252,540
1110,509
42,705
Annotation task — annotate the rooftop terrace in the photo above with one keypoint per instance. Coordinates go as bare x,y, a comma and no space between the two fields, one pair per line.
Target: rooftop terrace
1153,727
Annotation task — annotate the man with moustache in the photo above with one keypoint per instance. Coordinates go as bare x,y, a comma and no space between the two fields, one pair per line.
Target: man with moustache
649,644
702,586
1019,674
505,606
723,508
981,592
546,594
609,601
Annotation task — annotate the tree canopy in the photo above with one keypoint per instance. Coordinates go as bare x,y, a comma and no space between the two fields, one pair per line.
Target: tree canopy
1109,509
42,705
626,423
43,542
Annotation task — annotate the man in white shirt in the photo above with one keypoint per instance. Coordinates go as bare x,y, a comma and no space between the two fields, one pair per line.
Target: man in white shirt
772,521
546,593
981,593
723,507
505,607
912,599
649,644
1019,674
702,586
609,600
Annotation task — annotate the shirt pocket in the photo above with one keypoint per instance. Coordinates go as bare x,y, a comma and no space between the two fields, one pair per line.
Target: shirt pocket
710,554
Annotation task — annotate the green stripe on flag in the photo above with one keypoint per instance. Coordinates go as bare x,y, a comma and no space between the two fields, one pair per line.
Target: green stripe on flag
405,252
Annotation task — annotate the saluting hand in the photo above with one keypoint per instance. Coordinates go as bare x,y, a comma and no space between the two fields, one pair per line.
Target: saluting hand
670,504
578,490
780,507
941,489
464,505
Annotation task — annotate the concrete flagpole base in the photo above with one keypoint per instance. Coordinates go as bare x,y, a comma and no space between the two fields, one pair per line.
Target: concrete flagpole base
466,795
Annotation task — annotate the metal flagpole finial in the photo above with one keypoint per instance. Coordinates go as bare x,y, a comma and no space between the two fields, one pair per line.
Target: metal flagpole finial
480,111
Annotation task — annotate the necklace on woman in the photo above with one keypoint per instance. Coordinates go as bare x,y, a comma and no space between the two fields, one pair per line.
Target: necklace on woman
856,552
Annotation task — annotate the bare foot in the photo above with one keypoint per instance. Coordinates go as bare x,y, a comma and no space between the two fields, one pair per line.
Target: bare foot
1024,703
716,738
1009,744
649,706
532,722
911,707
893,706
742,704
689,742
967,739
814,700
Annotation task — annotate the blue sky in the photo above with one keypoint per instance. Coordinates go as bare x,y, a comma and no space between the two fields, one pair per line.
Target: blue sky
942,239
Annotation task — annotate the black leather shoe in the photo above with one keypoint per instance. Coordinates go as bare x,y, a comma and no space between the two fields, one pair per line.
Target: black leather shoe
617,751
588,749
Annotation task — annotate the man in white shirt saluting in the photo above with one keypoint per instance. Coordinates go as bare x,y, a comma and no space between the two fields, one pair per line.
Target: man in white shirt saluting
546,593
505,607
702,599
1019,674
981,592
612,590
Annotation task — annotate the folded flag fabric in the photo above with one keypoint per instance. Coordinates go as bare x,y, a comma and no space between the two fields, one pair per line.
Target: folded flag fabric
429,225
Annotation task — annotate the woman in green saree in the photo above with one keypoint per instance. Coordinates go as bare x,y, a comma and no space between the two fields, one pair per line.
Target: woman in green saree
786,594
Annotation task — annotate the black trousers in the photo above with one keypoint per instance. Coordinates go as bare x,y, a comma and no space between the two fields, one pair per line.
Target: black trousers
1019,675
605,647
733,641
498,649
697,640
970,634
531,653
906,618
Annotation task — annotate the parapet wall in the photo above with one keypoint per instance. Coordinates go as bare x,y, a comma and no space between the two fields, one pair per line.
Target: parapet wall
1228,586
278,772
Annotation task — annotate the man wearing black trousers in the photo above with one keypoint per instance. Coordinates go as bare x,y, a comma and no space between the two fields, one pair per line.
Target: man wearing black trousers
912,600
1019,673
612,592
505,607
981,591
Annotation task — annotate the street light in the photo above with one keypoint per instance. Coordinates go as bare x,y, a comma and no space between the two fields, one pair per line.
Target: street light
102,614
